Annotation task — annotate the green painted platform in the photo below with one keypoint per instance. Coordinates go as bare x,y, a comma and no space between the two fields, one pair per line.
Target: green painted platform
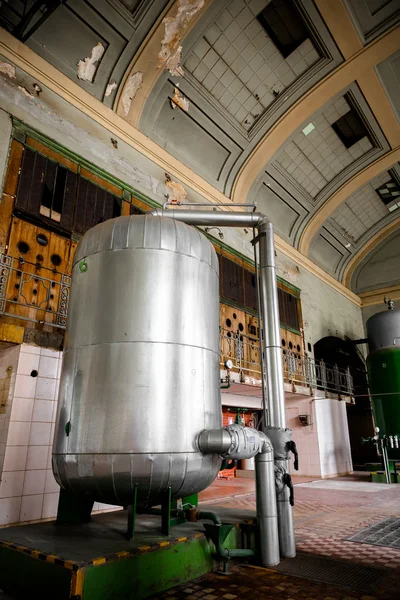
95,561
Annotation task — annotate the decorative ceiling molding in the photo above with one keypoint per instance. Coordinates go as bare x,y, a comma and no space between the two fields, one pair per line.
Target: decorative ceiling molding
341,26
366,249
374,297
35,66
146,61
325,211
363,61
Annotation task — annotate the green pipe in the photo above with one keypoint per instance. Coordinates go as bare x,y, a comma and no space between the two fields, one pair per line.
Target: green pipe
225,387
207,515
221,551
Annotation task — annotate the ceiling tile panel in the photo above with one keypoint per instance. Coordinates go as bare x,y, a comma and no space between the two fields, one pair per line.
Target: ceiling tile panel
314,159
237,62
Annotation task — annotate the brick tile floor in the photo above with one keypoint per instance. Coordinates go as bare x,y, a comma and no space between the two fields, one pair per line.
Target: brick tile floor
324,518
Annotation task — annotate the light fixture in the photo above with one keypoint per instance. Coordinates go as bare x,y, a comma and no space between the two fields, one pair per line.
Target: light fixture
208,229
347,245
310,127
228,364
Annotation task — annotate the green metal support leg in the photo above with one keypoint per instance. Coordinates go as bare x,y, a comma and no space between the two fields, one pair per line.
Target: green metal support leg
74,509
132,515
166,507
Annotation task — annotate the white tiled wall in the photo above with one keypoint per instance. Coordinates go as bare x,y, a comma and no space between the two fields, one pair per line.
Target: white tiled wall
28,490
306,437
333,437
8,370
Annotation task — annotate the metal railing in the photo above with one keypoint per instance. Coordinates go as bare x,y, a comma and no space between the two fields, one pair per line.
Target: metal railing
244,352
26,294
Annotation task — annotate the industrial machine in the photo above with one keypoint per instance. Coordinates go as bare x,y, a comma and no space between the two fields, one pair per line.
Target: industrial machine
383,362
139,411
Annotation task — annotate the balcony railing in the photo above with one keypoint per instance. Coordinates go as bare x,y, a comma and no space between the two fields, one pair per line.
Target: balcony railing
26,294
244,352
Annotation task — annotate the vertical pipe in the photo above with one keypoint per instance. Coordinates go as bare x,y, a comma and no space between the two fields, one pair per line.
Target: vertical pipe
260,325
267,509
270,318
274,369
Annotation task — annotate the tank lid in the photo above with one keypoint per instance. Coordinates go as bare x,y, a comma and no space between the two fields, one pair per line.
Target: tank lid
147,231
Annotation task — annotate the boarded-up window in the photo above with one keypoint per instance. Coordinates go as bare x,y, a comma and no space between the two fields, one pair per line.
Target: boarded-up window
289,309
232,280
46,188
250,290
94,205
59,194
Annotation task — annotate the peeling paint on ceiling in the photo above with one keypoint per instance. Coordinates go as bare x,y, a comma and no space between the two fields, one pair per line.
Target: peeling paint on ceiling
87,68
179,101
110,88
175,191
133,84
170,53
7,69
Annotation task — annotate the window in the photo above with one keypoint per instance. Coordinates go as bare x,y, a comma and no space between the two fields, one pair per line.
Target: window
350,128
68,196
284,25
289,312
390,192
46,188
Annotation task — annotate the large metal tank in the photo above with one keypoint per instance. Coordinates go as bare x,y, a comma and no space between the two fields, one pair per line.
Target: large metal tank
140,375
383,362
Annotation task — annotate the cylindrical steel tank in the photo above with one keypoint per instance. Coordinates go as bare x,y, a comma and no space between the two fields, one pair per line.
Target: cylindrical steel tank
140,375
383,329
383,362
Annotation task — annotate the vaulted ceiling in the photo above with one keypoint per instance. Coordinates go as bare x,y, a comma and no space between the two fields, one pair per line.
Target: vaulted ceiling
292,104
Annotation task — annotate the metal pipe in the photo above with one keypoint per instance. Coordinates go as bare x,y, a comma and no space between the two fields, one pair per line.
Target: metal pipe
260,325
271,345
209,204
246,443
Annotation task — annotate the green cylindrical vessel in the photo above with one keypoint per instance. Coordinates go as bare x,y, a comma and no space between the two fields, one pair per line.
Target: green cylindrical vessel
384,381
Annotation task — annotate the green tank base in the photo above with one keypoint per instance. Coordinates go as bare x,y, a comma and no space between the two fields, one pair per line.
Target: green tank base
380,477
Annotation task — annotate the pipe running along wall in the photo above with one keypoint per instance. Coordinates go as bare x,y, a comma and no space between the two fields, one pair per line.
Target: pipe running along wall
273,382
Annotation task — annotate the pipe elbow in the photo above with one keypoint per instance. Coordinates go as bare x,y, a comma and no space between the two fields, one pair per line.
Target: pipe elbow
266,444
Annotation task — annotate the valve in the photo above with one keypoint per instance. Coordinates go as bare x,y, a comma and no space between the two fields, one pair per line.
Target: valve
293,448
288,481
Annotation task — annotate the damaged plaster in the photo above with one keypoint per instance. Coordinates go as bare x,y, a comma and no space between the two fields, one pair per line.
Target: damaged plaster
110,88
87,68
178,100
175,191
170,54
25,91
133,84
7,69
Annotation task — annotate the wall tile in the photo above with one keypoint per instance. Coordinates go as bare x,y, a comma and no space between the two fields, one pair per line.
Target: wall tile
11,484
40,434
34,482
37,457
50,505
51,484
27,363
48,367
15,458
49,457
25,386
29,349
18,433
43,411
49,352
45,388
31,508
9,510
22,409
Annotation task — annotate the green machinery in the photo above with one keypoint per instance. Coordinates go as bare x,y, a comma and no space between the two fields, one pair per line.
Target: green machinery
383,363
